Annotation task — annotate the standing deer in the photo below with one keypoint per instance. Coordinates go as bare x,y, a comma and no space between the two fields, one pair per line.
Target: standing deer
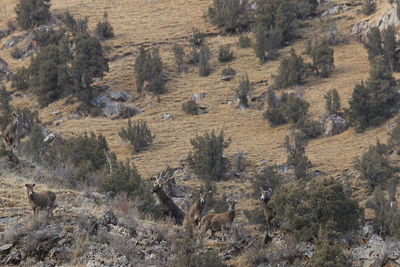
268,212
197,208
219,221
167,205
41,200
11,136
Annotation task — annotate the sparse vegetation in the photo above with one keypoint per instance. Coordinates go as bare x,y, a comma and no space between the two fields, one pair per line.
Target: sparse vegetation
208,158
244,91
231,15
225,53
190,107
244,42
138,135
322,56
32,13
179,57
204,61
296,157
104,30
291,71
369,7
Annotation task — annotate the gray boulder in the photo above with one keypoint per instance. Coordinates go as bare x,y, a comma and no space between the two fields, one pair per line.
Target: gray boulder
333,125
119,96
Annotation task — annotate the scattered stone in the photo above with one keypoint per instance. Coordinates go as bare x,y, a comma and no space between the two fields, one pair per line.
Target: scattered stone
118,96
335,10
56,113
198,97
332,36
333,125
166,116
109,218
5,248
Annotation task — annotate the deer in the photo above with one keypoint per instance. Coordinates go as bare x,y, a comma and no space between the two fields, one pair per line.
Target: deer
11,136
40,200
167,205
197,208
218,222
268,212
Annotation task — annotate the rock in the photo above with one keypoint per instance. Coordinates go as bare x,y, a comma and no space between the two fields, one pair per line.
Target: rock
5,248
109,218
14,40
389,17
374,249
166,116
13,258
335,10
198,97
227,78
333,125
119,110
332,36
118,96
55,113
49,138
182,203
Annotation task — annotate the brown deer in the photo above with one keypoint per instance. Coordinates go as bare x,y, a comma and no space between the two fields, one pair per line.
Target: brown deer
197,208
268,212
167,205
11,136
219,221
40,200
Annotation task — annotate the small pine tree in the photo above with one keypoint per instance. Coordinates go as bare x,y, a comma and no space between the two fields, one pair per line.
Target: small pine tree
138,135
225,53
179,57
190,107
297,155
322,56
332,102
260,45
204,61
208,156
20,80
32,13
374,44
327,253
5,108
291,70
389,47
232,15
369,7
244,91
104,30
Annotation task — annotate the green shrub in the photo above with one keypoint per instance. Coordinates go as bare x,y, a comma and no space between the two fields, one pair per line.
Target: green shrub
244,91
327,253
138,135
293,107
224,53
275,116
193,57
187,250
244,41
302,210
375,167
9,156
5,108
148,68
196,38
297,155
20,80
204,61
372,102
332,102
389,47
374,43
104,30
190,107
179,57
34,145
32,13
124,177
291,71
45,37
232,15
322,56
16,53
207,157
369,7
260,44
228,72
310,128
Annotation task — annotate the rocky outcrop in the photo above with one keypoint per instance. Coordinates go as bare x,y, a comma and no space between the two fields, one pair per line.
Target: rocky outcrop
334,10
333,125
389,17
112,107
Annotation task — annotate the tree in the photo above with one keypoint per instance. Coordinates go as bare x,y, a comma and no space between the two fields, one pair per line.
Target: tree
138,135
297,155
291,70
332,102
369,7
148,68
179,57
89,62
32,13
327,253
389,47
5,108
302,210
232,15
208,156
243,91
104,30
204,61
372,102
322,56
374,44
260,45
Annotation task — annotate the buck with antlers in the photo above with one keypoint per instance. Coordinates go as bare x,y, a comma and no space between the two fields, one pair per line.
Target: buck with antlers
11,136
167,205
196,210
219,221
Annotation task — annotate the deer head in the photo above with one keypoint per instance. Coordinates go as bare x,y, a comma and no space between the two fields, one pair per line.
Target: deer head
203,196
232,204
29,189
266,194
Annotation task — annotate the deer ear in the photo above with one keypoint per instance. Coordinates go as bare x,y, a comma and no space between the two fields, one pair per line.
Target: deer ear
270,190
235,202
26,185
227,200
261,189
33,184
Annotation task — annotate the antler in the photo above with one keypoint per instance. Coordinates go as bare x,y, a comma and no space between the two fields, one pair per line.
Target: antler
170,178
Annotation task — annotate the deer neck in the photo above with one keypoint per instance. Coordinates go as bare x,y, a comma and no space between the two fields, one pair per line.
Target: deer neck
31,196
162,195
231,215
